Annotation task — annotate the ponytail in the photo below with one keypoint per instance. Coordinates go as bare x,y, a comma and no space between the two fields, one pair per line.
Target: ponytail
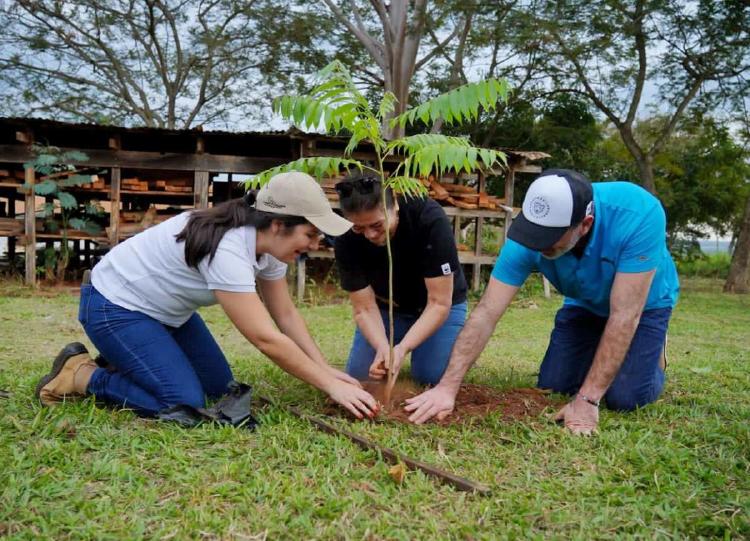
206,227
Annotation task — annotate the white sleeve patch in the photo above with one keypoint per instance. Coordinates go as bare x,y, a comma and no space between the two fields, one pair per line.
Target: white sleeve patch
446,268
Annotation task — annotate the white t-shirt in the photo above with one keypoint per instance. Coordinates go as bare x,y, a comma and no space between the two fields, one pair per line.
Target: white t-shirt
148,273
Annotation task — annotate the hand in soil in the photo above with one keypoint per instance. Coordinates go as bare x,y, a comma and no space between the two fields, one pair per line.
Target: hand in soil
378,368
355,399
437,402
580,417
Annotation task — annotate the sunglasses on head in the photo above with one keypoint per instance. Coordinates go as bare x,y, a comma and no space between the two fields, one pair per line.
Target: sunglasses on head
363,185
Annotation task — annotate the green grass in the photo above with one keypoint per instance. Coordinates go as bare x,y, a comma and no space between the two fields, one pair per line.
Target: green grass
679,468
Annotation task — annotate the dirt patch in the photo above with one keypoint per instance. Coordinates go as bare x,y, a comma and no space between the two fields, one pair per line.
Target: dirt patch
473,402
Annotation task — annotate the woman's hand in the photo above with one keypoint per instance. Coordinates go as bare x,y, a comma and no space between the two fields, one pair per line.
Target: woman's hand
343,376
355,399
378,368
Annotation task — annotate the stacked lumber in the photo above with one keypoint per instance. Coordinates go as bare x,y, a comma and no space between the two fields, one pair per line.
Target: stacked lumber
11,176
97,183
134,184
10,227
133,222
458,195
447,194
176,185
329,187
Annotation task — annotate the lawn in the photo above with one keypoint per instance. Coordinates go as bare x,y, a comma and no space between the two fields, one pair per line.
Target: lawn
678,468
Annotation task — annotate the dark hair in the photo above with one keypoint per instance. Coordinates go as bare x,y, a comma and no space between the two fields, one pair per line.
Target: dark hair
206,227
360,191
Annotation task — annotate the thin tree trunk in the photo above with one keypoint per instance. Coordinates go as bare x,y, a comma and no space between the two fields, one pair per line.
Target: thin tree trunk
738,280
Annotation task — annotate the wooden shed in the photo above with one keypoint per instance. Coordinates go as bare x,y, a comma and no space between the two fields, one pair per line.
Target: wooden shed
167,171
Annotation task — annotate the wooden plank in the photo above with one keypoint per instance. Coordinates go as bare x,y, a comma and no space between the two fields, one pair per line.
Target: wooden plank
200,191
30,228
154,160
301,279
510,179
114,197
477,274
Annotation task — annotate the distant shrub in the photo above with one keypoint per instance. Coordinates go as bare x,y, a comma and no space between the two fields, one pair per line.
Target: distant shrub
705,266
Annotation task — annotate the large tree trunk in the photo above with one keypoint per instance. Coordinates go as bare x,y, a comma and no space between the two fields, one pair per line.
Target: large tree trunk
738,280
646,168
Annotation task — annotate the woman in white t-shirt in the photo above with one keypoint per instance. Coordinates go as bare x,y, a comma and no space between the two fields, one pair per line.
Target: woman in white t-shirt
140,308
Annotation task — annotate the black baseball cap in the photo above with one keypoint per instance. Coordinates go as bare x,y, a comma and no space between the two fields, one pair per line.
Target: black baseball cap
555,201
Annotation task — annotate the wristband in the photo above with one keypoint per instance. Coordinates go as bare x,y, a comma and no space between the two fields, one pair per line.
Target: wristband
587,399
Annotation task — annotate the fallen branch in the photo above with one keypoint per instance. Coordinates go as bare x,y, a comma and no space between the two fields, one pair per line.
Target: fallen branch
388,454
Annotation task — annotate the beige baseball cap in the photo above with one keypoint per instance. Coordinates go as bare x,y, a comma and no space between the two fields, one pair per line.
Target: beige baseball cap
298,194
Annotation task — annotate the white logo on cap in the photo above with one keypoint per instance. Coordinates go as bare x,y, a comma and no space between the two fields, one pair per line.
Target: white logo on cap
539,207
549,202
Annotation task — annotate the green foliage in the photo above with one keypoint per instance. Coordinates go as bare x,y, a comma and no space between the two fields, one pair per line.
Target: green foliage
54,164
458,105
336,105
50,161
705,266
701,173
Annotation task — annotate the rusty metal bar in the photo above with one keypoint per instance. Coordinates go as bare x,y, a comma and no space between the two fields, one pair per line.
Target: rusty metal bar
390,455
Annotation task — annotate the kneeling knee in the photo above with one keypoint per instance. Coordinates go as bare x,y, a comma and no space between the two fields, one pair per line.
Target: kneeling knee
185,396
627,401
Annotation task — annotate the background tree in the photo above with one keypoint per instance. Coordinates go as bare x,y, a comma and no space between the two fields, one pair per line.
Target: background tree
393,35
627,56
158,63
738,280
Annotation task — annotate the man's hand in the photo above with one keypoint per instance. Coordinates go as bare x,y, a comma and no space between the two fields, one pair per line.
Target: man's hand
358,401
378,368
580,417
436,402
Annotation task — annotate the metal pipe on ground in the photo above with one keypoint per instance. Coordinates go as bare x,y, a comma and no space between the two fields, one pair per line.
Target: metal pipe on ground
390,455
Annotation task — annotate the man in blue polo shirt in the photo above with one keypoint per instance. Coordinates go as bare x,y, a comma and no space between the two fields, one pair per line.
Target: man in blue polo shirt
604,247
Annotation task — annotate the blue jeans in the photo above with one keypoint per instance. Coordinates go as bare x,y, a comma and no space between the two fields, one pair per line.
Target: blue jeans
573,344
156,366
428,361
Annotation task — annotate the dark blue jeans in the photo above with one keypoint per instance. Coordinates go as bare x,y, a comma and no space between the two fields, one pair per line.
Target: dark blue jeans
156,366
573,344
428,361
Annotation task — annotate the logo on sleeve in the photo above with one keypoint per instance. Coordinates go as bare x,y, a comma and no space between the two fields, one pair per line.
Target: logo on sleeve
446,268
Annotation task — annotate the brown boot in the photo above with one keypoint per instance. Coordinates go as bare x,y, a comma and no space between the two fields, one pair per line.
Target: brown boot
69,377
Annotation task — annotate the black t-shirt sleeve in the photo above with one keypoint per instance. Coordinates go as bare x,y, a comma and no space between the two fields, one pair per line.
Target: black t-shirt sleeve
440,256
348,262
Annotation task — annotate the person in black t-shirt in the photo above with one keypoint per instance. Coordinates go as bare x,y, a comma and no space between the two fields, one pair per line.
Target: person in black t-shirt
429,288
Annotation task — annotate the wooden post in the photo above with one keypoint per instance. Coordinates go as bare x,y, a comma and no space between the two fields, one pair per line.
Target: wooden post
200,188
114,200
510,179
200,197
300,279
30,227
476,275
